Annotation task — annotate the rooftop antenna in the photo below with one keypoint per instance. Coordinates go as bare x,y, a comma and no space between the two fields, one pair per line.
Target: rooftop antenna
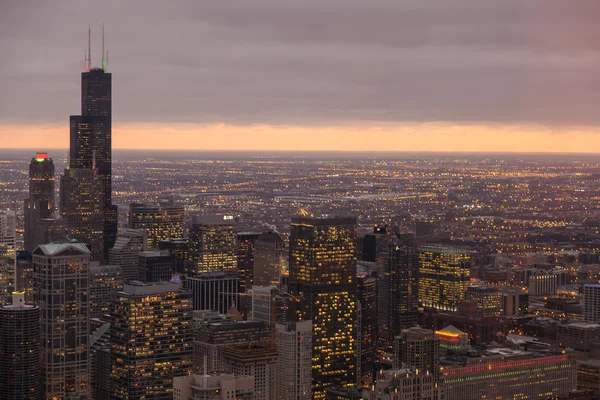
85,59
104,59
89,60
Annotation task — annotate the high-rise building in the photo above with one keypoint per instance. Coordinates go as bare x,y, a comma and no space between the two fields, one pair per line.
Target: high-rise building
212,337
125,253
105,281
269,259
82,208
215,291
258,360
404,384
245,258
294,365
512,375
397,289
62,292
418,348
40,203
214,387
270,305
367,325
591,302
487,298
213,243
155,266
151,335
24,275
19,350
444,275
179,250
161,221
323,280
8,249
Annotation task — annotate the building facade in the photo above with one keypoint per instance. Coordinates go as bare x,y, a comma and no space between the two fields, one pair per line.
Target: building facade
161,221
20,345
40,203
418,348
213,243
105,281
258,360
125,253
245,258
8,254
294,365
61,277
323,281
215,291
151,335
213,387
269,259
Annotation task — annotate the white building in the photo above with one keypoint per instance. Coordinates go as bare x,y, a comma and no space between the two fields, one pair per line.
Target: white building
591,303
294,365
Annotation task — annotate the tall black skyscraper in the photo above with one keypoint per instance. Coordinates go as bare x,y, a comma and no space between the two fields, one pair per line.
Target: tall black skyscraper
40,202
397,289
91,139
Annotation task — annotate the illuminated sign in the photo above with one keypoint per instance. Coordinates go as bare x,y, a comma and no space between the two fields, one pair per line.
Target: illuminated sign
39,157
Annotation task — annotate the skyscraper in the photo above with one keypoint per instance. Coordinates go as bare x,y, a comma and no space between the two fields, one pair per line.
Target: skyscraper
213,243
245,258
105,281
61,291
591,302
125,252
258,360
323,279
444,275
269,259
161,221
151,336
216,291
398,290
19,350
91,140
8,254
294,365
40,202
367,324
81,206
154,266
418,348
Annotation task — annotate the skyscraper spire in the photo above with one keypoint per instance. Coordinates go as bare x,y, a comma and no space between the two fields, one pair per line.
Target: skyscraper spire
89,60
104,58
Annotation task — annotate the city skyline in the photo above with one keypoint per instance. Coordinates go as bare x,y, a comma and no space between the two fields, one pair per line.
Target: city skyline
317,77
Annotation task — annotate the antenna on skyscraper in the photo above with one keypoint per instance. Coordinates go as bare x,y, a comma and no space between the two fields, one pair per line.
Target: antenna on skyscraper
104,60
89,60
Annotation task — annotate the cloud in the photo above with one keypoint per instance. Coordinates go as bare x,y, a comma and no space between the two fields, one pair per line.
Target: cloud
308,63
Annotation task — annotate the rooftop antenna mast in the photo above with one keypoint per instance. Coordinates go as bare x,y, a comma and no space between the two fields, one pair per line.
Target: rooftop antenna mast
89,52
104,55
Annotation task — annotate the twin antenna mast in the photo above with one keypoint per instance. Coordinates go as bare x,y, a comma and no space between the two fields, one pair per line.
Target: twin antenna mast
88,53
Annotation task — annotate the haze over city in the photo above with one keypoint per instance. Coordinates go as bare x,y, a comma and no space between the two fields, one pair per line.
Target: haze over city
459,75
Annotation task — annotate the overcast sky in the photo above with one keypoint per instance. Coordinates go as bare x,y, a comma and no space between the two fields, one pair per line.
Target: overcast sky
308,63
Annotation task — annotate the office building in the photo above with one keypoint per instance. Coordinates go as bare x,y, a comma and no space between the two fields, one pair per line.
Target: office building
397,289
452,338
245,258
515,302
161,221
404,384
258,360
40,203
444,275
105,281
418,348
155,266
510,375
323,280
591,303
24,275
542,284
125,253
61,291
151,333
270,305
179,250
82,208
20,350
269,259
294,365
213,387
488,299
211,338
8,254
579,336
215,291
367,325
213,243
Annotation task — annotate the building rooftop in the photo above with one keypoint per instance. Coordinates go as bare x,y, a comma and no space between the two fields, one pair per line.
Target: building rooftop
54,249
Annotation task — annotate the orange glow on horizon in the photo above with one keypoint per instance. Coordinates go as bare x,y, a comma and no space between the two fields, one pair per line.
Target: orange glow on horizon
377,137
